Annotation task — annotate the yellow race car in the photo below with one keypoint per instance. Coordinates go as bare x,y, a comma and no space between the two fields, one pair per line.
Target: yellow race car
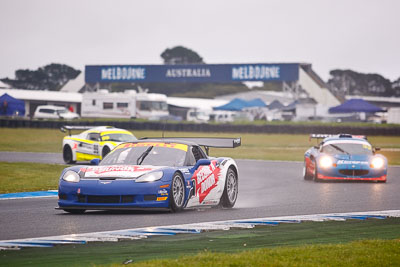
94,143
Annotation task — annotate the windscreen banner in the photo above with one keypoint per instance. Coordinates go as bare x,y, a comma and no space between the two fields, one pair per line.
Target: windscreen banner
207,73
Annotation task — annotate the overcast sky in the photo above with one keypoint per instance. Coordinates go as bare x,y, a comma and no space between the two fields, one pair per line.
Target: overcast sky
362,35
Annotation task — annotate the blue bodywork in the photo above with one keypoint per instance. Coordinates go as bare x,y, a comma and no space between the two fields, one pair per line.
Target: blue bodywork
344,166
123,193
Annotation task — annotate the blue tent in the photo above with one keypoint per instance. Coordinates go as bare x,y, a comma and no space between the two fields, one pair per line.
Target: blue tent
257,102
10,106
276,104
238,104
355,105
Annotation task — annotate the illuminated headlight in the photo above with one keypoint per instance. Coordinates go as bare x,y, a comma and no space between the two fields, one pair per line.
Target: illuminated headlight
71,176
325,162
150,177
377,163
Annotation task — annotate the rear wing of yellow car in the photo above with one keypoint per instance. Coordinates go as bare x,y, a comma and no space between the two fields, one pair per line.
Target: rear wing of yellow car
69,128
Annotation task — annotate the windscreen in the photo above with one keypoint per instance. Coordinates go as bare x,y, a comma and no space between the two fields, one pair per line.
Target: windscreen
118,137
156,154
347,148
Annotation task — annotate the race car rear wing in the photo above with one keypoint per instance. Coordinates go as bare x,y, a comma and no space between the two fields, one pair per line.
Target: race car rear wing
322,136
69,128
206,142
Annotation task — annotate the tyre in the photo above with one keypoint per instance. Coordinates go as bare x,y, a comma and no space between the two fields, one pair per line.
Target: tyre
230,194
67,155
306,174
105,151
315,176
73,211
177,193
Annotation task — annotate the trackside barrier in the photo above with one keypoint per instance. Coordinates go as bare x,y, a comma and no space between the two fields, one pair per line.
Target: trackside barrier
203,127
194,228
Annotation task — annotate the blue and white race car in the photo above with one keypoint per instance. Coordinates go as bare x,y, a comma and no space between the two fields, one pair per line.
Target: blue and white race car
344,157
153,173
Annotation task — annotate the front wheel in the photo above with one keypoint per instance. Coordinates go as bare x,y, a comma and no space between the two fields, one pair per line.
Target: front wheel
306,174
177,193
67,155
230,194
106,150
315,176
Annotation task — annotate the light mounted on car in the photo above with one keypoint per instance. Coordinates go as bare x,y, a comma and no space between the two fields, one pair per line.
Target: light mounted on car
71,176
377,163
150,177
325,162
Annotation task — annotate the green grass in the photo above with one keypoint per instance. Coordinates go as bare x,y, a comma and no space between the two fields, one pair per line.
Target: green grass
374,243
27,177
254,146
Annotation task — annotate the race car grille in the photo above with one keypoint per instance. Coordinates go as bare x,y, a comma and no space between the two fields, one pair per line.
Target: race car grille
150,197
106,199
354,172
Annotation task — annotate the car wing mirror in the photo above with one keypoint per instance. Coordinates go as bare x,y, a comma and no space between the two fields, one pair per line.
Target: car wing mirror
376,149
200,162
95,162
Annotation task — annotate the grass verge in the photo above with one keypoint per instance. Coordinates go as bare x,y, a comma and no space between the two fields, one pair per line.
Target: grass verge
374,243
26,177
254,146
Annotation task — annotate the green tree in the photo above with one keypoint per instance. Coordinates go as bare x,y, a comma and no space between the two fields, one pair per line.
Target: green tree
50,77
181,55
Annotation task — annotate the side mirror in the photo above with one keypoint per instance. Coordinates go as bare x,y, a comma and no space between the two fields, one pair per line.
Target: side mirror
199,163
95,162
376,149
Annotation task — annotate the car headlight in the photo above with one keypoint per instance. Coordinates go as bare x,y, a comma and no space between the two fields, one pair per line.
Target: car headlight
325,162
377,163
71,176
150,177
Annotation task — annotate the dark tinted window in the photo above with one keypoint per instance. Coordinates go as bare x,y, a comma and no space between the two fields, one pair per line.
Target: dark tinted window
146,155
108,105
347,148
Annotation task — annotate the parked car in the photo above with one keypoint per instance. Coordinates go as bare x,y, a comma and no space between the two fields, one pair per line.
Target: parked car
54,112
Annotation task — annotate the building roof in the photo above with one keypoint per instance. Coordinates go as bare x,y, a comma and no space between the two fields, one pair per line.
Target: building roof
75,85
197,103
43,95
4,85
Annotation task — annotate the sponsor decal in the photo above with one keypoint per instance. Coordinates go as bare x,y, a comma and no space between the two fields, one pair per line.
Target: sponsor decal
122,168
188,73
169,145
340,162
163,192
210,202
186,171
206,179
161,198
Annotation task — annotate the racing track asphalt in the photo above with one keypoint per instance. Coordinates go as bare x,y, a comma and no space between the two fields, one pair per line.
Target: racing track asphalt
266,189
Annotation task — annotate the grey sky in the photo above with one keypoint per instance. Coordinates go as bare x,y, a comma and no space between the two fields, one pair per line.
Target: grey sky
363,35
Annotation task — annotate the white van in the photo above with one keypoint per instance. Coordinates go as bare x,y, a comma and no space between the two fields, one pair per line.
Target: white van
54,112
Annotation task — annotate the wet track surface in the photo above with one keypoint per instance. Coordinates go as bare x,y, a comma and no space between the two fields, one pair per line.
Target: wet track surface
266,188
